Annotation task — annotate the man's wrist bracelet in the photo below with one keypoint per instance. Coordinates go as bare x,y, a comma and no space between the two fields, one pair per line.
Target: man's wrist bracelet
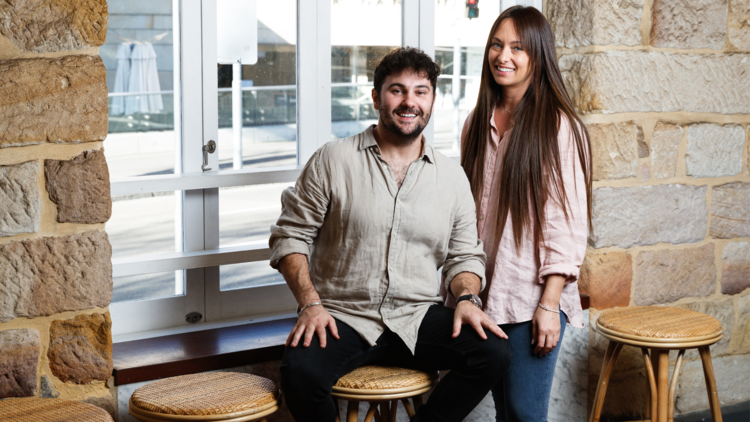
548,309
307,306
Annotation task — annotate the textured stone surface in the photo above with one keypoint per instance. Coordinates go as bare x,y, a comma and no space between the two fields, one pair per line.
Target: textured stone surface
19,358
730,211
52,100
49,275
20,204
665,144
663,276
48,391
600,22
570,384
741,336
607,278
739,24
714,150
645,172
731,383
645,215
80,349
42,26
689,23
81,180
614,150
722,310
641,81
735,268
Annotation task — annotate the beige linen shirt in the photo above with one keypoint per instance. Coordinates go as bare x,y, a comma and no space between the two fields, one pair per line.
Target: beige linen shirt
374,249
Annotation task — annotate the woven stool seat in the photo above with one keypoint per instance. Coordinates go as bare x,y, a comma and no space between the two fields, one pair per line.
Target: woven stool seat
206,397
639,325
51,410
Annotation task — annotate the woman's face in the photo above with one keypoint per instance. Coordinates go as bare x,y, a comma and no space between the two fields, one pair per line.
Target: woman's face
508,60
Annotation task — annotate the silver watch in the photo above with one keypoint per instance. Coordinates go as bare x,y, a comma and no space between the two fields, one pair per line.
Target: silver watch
471,298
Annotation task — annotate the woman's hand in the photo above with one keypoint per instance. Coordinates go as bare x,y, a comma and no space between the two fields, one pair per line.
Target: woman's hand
545,331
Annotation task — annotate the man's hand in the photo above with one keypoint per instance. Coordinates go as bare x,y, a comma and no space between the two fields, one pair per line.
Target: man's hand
312,320
545,331
468,313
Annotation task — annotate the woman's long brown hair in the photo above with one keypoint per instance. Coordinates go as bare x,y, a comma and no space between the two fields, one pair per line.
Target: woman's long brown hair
531,172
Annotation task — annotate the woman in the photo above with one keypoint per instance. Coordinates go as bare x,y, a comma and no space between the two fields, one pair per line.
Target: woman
526,154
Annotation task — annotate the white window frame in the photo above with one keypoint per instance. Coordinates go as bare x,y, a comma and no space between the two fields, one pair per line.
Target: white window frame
198,218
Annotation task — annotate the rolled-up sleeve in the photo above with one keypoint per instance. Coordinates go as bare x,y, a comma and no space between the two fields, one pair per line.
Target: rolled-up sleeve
303,209
565,238
465,250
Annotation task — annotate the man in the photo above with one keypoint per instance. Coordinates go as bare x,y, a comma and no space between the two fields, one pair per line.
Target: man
359,239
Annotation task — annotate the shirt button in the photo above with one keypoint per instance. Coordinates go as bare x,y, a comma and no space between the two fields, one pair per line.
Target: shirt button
387,299
393,234
390,268
481,217
490,171
385,320
485,195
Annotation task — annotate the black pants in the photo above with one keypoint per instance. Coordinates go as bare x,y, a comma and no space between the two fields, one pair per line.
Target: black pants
308,373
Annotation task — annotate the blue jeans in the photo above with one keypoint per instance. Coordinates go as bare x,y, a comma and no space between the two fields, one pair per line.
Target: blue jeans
523,393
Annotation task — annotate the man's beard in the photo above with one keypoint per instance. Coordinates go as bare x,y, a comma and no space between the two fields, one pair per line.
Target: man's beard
406,138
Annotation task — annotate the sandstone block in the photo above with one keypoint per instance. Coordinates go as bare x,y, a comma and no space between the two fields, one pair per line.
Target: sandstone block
614,150
714,150
599,22
665,144
81,180
642,81
739,24
723,311
731,383
645,172
730,211
664,276
735,268
48,391
19,358
607,279
80,349
20,204
689,23
43,26
52,100
645,215
49,275
741,336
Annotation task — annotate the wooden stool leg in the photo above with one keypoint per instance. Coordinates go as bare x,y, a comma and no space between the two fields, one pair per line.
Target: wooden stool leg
650,410
352,411
337,417
407,406
394,409
610,357
708,374
385,412
662,384
417,402
673,385
371,412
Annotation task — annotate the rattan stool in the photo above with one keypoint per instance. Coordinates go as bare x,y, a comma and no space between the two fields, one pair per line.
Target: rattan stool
215,396
660,329
382,386
50,410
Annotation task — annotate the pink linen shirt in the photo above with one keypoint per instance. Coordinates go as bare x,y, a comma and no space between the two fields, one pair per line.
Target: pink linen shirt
515,279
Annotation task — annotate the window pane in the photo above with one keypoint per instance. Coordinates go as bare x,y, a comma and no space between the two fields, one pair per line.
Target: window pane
362,32
266,133
139,57
148,286
249,274
142,224
459,49
247,212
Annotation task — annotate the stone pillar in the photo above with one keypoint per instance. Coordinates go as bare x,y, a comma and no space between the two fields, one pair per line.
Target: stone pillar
55,257
663,88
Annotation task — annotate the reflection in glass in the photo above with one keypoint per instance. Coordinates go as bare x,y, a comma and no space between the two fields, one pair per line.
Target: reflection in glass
249,274
362,32
147,286
459,49
142,224
267,136
247,212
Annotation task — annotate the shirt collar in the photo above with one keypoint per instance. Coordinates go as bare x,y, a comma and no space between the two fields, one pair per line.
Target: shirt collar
368,141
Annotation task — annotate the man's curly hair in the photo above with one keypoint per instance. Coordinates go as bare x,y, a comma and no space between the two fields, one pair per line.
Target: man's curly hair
406,58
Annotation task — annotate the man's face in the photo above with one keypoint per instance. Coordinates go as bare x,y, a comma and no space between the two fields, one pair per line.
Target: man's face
405,104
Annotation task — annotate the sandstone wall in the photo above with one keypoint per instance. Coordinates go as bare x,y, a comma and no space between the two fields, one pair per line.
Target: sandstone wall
55,258
664,90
